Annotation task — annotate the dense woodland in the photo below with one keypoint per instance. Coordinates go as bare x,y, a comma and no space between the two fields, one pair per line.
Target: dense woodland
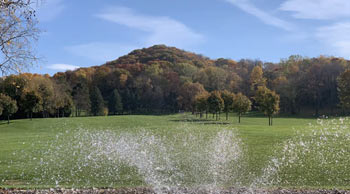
164,79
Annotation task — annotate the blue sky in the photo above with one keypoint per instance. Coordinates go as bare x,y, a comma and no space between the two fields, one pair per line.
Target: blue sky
83,33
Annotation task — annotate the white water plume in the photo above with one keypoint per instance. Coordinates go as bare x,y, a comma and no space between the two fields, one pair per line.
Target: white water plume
187,157
164,162
317,155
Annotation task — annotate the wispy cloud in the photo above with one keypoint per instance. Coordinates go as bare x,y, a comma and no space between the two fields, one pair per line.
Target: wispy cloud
317,9
336,37
62,67
161,30
265,17
49,10
100,51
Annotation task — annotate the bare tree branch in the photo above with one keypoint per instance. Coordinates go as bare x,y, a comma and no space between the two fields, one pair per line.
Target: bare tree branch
18,33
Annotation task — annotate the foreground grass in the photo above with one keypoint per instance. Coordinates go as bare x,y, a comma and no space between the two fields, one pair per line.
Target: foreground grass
23,137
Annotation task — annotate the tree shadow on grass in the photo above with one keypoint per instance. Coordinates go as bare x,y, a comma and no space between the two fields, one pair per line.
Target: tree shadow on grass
5,123
190,120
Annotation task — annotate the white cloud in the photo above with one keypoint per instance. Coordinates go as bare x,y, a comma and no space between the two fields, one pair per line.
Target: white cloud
317,9
62,67
100,51
265,17
336,37
161,30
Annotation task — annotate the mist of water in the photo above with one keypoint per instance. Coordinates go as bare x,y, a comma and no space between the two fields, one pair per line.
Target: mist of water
316,155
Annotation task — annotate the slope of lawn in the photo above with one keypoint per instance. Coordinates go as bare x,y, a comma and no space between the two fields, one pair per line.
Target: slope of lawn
26,145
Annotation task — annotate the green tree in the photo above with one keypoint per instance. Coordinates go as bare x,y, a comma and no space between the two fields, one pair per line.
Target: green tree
97,103
268,102
81,98
46,92
115,103
215,103
14,86
344,89
31,103
241,105
9,106
228,98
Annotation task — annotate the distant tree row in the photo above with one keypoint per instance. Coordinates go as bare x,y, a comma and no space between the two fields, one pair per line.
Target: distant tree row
225,101
216,102
164,79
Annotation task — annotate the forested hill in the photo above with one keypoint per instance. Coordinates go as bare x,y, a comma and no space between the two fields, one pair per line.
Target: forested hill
162,53
164,79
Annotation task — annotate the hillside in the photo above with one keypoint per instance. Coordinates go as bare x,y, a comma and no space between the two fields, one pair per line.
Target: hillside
162,79
161,53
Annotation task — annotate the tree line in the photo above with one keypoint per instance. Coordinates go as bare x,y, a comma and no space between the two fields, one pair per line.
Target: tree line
164,79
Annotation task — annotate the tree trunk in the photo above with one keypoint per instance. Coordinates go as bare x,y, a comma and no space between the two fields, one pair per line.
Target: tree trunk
216,116
239,118
8,119
271,120
226,115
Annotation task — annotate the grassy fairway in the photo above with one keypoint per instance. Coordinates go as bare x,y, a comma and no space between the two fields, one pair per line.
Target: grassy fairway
23,144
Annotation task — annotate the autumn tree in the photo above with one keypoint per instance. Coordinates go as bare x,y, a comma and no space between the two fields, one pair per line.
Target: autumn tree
115,103
215,103
9,106
241,105
18,31
97,103
228,98
344,90
268,102
213,78
187,95
202,103
256,78
62,103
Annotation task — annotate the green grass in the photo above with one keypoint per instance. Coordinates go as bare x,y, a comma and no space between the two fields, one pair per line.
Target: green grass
23,140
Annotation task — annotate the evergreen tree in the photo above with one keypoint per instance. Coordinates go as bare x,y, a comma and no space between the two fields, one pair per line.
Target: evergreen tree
344,89
115,103
241,105
97,103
